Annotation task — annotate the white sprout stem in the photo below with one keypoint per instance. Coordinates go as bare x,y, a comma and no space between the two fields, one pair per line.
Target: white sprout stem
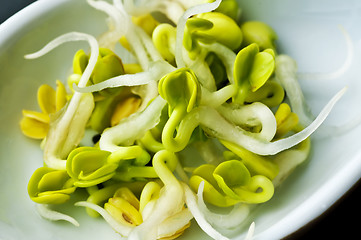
147,93
191,201
49,214
285,72
138,49
198,9
120,18
143,7
71,37
339,71
250,233
119,228
118,24
148,44
67,131
128,5
286,143
72,107
174,223
155,72
173,10
288,160
217,98
203,72
169,203
139,122
226,55
119,5
120,21
187,4
181,173
136,79
219,127
252,115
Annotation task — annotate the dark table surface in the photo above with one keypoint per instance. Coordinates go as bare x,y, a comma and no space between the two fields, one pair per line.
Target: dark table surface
341,221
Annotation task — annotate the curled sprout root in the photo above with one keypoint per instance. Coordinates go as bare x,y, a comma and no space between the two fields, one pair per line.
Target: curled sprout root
52,215
340,71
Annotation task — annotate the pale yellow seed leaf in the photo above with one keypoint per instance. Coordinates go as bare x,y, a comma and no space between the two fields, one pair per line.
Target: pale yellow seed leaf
33,128
61,96
131,68
38,116
124,109
46,99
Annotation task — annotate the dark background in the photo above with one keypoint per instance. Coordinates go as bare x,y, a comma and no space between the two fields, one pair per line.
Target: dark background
10,7
341,221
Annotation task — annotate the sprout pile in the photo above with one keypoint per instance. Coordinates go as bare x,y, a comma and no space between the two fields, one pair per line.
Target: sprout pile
201,81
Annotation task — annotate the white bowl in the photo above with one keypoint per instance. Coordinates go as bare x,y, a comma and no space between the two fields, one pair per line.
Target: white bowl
308,31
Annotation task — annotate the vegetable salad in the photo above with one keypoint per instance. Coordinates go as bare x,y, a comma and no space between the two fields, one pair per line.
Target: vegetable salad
200,80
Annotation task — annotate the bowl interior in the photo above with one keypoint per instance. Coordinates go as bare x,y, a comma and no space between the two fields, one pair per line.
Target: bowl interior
308,31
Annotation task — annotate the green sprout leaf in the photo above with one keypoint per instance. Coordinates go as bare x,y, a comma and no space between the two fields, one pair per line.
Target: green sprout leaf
229,183
135,153
206,171
211,193
137,170
229,8
260,33
231,174
259,189
207,28
231,39
182,92
132,161
193,34
251,70
263,66
80,61
199,24
270,94
164,37
88,166
110,110
103,110
50,186
180,89
108,65
218,69
150,193
256,164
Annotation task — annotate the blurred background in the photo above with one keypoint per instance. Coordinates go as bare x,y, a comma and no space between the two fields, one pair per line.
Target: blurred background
341,221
